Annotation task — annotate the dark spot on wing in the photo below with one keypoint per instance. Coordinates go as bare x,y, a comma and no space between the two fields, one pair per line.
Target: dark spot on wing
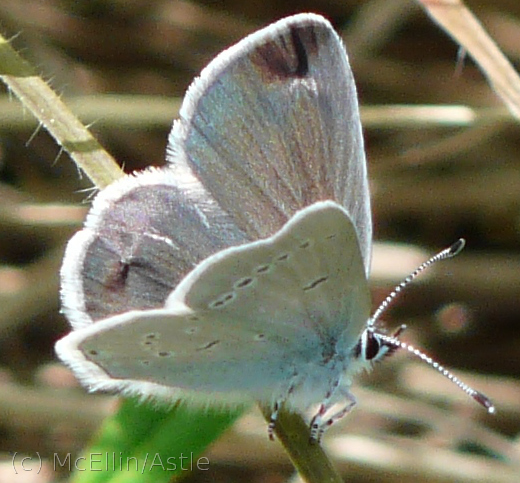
125,269
225,299
315,283
287,56
117,276
244,282
301,52
164,354
262,269
209,345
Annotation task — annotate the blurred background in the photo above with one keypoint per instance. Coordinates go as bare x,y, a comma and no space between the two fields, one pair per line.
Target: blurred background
436,174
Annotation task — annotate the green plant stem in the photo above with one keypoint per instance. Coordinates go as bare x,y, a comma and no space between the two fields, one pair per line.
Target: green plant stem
310,460
36,95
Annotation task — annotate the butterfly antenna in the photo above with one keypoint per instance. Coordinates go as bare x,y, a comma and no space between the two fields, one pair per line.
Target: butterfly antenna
476,395
449,252
392,343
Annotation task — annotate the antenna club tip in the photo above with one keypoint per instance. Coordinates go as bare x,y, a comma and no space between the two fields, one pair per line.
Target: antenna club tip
457,247
484,401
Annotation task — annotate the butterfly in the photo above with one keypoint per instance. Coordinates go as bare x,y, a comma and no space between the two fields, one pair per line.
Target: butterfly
239,272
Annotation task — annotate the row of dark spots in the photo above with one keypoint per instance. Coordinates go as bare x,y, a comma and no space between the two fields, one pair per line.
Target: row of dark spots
285,256
320,280
194,328
280,258
150,339
146,362
209,345
304,245
245,282
262,269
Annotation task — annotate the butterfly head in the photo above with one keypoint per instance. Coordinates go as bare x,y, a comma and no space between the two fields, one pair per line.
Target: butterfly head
374,345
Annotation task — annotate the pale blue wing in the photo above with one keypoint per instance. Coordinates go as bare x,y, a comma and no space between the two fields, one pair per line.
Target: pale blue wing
245,319
179,354
308,274
272,125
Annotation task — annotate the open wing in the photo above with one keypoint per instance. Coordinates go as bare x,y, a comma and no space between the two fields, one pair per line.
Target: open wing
272,125
143,234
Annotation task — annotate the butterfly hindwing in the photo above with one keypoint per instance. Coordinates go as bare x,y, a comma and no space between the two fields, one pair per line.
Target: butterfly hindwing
292,295
309,273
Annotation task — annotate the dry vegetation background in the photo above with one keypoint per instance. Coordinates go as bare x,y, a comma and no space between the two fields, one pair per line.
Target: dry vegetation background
435,177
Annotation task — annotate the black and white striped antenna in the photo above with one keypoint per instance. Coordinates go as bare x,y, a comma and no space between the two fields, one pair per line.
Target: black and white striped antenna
392,343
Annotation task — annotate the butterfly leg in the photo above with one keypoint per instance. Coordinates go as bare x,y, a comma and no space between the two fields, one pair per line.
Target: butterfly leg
278,404
319,423
272,420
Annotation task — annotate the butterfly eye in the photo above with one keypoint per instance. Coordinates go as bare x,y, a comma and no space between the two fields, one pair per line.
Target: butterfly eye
374,346
371,345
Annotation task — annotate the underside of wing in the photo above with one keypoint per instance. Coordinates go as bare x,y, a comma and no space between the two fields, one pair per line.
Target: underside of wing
167,354
310,275
243,323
